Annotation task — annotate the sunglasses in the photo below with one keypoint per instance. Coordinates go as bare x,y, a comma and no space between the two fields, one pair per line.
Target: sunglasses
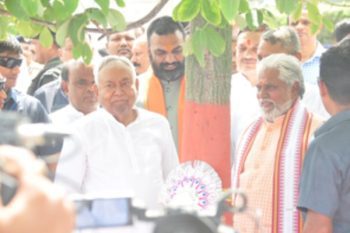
10,62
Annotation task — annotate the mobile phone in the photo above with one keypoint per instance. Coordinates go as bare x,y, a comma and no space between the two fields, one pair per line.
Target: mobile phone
103,212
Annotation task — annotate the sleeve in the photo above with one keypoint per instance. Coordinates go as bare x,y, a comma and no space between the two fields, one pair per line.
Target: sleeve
320,182
170,158
71,166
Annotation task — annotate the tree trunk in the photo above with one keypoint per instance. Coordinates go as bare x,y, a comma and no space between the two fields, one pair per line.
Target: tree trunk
206,122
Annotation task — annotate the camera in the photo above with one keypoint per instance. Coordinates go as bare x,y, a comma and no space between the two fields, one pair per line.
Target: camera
104,211
43,139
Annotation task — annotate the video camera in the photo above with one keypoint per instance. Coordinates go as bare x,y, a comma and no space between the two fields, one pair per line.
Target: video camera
16,130
122,211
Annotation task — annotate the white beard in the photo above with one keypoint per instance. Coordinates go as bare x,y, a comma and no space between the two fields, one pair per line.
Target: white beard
278,110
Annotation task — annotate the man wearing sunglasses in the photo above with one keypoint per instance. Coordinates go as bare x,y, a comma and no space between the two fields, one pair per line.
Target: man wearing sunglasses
10,61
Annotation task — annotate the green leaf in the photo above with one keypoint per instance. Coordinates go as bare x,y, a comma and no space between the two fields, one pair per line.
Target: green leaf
76,28
260,17
199,44
249,19
290,6
120,3
45,3
116,20
229,8
211,12
327,22
298,11
45,38
244,6
3,26
215,42
62,32
104,4
62,9
313,13
187,10
25,28
82,50
280,5
16,9
31,7
187,46
96,15
176,12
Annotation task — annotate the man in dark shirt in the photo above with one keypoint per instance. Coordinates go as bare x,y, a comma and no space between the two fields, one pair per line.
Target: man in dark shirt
325,181
10,61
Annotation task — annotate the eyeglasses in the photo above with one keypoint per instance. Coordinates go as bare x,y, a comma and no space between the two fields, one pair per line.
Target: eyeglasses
10,62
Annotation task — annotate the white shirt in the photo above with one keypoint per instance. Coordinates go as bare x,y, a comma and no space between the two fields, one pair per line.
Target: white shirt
107,157
244,106
311,67
313,102
65,116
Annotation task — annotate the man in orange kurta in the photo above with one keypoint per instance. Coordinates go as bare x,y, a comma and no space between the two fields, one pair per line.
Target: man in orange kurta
163,91
270,153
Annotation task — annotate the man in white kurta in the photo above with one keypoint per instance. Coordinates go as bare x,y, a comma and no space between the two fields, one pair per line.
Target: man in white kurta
118,148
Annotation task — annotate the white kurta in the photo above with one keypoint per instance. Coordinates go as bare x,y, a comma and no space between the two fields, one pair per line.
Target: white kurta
65,116
107,157
244,106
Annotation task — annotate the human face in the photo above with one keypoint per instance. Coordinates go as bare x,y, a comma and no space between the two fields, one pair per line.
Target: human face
303,28
117,91
265,49
66,53
82,91
166,55
10,74
41,52
121,43
140,57
3,95
274,95
246,53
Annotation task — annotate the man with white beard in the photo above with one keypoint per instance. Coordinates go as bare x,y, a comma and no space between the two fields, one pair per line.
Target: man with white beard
270,152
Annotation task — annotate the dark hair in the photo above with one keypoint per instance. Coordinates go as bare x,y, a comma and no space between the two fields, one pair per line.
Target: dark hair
335,72
65,72
10,47
342,29
164,26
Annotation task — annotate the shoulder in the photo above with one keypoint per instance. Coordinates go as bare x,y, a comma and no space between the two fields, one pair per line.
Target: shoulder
146,115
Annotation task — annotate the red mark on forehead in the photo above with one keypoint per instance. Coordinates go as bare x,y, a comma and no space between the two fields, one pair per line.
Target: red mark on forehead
249,42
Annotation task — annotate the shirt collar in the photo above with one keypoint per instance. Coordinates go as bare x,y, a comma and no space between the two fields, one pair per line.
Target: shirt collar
318,52
333,121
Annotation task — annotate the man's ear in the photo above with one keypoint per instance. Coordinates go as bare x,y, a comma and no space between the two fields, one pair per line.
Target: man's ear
323,88
64,86
298,55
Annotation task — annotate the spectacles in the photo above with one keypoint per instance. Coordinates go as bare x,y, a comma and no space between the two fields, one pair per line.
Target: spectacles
10,62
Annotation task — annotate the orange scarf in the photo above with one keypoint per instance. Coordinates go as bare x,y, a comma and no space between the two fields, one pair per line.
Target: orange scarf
155,102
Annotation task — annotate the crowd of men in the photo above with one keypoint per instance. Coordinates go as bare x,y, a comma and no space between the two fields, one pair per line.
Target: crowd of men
290,111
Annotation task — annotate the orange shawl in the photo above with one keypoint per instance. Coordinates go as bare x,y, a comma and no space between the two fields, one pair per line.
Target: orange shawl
155,102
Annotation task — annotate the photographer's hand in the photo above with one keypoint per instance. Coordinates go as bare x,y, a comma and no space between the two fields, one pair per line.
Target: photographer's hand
38,206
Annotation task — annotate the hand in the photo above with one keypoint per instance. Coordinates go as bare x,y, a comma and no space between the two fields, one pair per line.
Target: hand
38,206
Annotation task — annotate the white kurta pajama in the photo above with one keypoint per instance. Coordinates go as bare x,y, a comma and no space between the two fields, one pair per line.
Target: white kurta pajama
112,158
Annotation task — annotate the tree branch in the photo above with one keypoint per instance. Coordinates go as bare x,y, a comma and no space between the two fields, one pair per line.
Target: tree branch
131,25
